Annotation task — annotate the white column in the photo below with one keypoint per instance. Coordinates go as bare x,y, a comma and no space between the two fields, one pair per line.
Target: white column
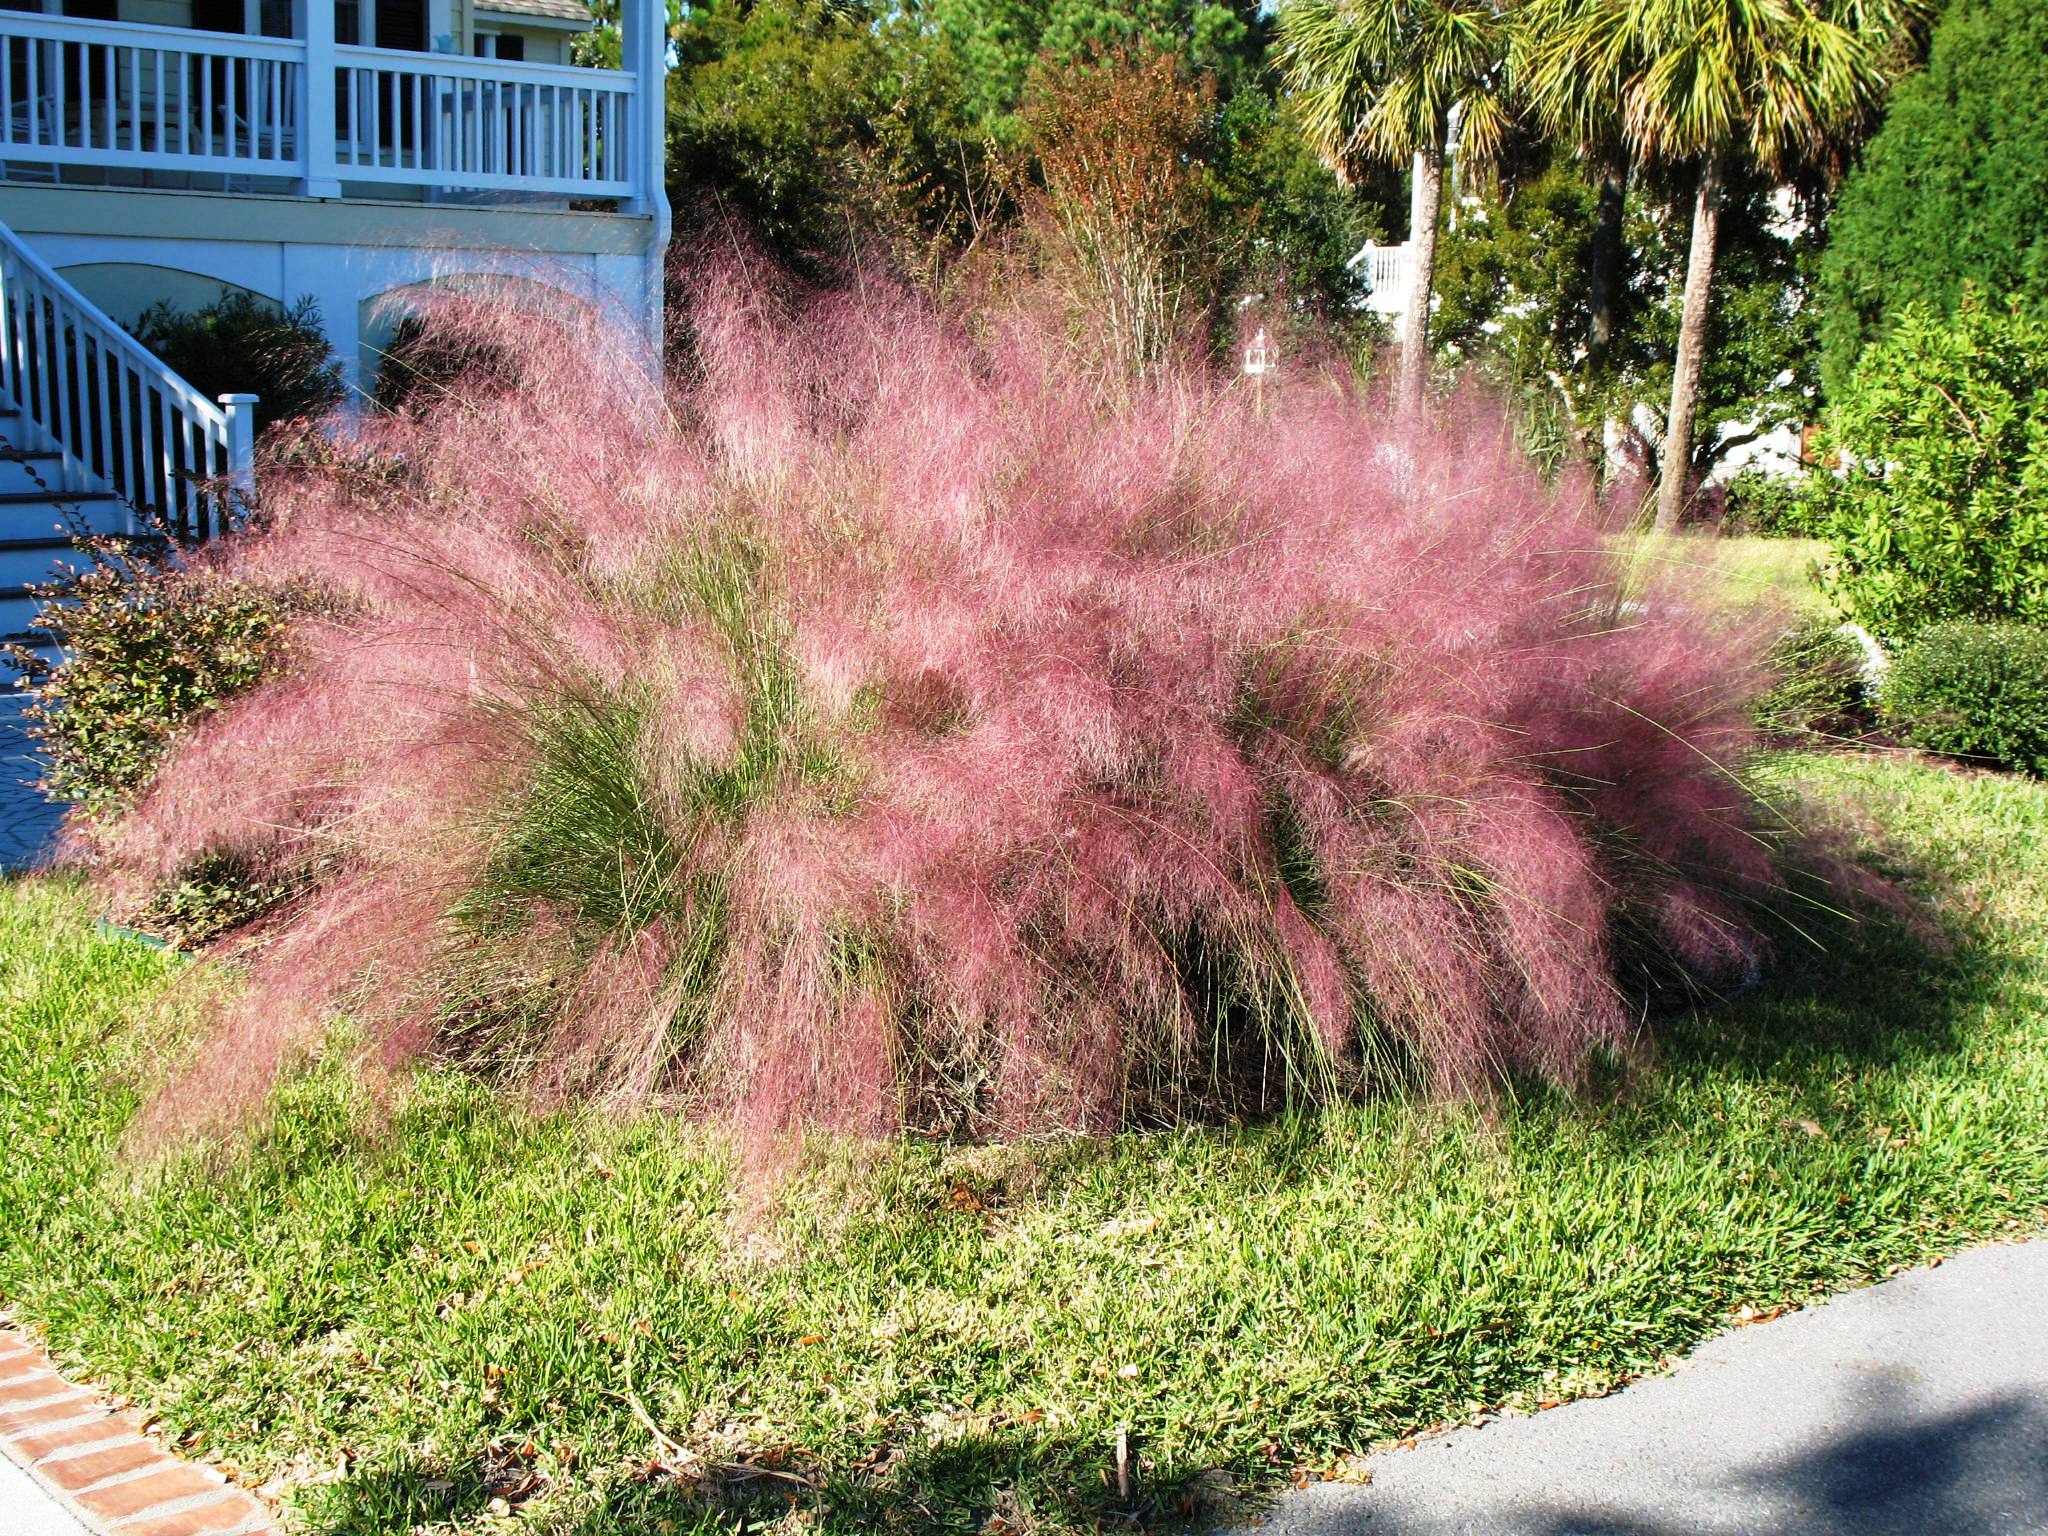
643,53
643,48
313,25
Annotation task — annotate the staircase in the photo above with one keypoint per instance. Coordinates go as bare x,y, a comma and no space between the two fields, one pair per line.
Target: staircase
36,493
37,508
96,435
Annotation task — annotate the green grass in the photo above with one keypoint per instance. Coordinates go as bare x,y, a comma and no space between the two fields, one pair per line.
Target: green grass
1747,570
406,1317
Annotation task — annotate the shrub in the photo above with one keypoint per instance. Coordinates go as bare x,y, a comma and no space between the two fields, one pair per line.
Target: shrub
244,345
1943,512
1770,506
1974,690
879,732
1123,215
1820,683
148,647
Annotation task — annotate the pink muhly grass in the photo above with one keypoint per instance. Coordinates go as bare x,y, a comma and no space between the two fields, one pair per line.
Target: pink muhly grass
879,731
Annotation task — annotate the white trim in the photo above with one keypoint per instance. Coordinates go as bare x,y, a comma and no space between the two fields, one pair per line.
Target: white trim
499,19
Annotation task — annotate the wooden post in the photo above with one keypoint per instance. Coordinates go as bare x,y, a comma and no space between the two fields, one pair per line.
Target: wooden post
313,26
241,465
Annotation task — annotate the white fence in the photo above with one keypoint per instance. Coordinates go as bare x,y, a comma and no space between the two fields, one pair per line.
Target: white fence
101,93
120,418
131,97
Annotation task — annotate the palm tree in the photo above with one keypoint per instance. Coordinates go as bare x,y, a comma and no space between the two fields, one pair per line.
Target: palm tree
1382,80
1705,86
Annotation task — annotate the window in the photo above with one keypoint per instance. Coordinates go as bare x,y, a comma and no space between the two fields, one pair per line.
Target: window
500,45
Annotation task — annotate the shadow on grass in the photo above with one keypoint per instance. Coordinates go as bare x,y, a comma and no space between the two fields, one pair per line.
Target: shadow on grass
976,1483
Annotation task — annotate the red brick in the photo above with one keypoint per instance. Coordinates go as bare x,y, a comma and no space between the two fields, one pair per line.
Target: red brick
240,1514
27,1389
26,1363
14,1420
111,1426
122,1500
72,1473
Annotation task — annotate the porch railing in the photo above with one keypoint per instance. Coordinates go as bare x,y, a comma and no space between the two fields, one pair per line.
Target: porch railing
440,120
1390,272
128,96
122,420
104,93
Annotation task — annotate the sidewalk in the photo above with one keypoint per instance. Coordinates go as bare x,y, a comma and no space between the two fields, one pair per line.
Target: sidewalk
25,1510
1917,1406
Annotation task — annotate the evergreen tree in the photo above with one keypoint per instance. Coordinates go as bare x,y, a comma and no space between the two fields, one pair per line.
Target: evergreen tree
995,43
1953,190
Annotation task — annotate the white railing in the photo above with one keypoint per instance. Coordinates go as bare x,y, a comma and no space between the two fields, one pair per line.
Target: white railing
127,96
439,120
1390,274
120,418
117,94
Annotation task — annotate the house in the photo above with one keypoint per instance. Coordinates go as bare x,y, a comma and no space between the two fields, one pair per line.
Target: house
363,152
157,149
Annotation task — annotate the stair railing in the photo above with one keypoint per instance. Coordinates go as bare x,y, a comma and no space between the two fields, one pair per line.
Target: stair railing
122,420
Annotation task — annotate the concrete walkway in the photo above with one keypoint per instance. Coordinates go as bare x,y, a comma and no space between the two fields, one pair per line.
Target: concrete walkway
26,1510
1917,1406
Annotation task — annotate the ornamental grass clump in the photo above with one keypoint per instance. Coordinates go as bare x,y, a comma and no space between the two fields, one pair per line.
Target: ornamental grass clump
876,731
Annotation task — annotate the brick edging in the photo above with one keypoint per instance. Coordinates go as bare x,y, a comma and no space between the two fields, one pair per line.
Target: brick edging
97,1462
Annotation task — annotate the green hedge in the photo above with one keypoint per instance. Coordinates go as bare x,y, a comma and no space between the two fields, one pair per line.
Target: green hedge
1975,690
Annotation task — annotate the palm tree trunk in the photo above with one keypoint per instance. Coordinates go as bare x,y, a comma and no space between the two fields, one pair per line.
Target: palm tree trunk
1604,280
1424,206
1692,346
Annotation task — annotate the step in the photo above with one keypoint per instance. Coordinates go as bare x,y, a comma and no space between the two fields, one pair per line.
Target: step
27,471
37,514
24,562
18,609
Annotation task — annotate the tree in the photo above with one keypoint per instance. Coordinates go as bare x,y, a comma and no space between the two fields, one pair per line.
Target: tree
1953,189
997,42
1383,80
1515,303
1705,88
821,124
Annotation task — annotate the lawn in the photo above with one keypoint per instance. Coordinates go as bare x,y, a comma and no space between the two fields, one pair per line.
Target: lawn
461,1317
1747,570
